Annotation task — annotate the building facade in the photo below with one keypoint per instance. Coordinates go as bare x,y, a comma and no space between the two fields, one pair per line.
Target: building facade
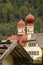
33,49
27,38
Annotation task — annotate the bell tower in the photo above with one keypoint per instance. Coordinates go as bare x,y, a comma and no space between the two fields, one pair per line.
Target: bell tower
30,23
21,27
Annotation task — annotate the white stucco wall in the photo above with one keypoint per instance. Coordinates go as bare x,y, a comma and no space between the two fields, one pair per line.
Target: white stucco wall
8,60
30,29
21,30
36,48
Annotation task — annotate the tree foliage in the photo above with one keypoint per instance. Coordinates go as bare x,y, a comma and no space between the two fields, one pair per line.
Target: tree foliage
12,10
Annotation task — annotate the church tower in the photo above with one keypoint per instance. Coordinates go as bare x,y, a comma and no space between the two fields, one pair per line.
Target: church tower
21,27
30,25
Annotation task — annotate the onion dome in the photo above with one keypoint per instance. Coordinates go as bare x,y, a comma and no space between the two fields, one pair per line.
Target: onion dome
21,23
30,18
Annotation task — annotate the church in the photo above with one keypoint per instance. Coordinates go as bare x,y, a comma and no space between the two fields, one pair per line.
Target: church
25,30
31,42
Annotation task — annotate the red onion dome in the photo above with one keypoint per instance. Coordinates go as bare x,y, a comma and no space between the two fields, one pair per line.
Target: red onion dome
30,18
21,23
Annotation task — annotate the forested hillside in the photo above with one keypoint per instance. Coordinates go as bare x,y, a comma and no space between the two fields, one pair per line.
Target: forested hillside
12,10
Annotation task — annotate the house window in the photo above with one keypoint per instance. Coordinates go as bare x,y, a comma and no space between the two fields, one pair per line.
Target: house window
32,44
33,52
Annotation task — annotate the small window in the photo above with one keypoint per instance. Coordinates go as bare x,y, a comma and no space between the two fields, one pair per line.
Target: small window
31,44
37,53
33,52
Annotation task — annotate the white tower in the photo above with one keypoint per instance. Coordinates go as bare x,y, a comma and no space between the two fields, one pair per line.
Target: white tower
21,27
30,25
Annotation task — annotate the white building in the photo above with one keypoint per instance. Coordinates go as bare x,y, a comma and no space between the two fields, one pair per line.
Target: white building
27,38
34,48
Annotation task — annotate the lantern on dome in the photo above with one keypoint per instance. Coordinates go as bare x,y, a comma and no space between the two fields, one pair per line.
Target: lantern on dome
21,27
30,23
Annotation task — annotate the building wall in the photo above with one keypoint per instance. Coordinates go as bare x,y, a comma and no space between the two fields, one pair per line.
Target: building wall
35,48
21,30
30,29
8,60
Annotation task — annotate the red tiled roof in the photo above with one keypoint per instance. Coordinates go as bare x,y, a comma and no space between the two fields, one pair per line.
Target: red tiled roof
24,37
21,38
13,37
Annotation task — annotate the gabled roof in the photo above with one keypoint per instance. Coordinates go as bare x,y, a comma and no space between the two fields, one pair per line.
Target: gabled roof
38,37
21,38
13,37
33,36
8,50
17,51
